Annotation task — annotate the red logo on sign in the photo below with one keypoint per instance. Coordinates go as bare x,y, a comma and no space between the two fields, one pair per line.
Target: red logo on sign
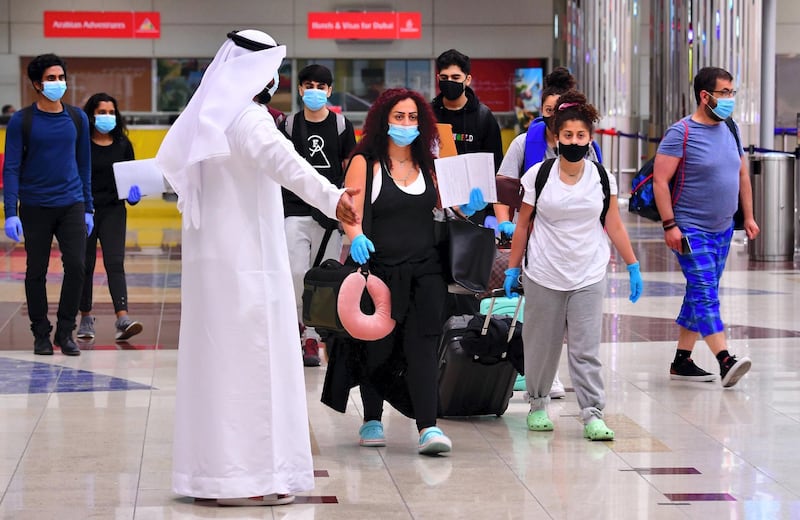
102,24
370,25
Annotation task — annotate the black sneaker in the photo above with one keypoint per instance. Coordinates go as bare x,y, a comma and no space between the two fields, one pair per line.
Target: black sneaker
732,370
42,345
68,347
688,371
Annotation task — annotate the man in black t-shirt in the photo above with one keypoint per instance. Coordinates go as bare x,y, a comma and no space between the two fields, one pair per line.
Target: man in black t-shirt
325,139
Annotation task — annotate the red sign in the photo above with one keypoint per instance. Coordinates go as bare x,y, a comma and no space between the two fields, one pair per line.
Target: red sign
370,25
102,24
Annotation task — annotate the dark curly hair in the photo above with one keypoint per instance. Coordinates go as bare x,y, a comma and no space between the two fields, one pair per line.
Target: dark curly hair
119,132
41,63
559,81
374,142
572,105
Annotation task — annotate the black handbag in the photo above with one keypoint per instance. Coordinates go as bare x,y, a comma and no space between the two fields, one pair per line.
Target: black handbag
320,293
468,252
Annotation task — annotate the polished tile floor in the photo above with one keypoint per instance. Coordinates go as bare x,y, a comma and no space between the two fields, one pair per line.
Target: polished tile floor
90,437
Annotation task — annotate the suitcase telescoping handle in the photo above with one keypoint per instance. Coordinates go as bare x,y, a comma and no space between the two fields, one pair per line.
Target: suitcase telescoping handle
497,293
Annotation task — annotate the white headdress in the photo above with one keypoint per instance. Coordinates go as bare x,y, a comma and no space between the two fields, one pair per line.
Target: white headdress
244,64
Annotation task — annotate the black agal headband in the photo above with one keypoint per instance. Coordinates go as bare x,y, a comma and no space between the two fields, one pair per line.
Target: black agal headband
248,44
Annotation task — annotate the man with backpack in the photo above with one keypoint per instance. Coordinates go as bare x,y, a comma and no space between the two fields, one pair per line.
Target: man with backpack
710,172
326,139
47,171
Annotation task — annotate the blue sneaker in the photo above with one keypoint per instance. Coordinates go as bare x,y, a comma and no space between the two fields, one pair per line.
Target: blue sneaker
371,434
434,442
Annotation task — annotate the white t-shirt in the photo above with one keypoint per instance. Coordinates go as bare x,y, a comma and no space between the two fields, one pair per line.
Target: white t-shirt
568,248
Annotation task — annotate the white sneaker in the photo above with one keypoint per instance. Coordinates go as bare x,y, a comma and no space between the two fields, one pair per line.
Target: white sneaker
557,389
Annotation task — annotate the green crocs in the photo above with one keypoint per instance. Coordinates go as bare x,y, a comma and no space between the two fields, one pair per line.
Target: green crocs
538,421
597,430
519,383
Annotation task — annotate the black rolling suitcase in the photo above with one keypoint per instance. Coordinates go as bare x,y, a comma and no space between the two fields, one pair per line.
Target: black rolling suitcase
471,384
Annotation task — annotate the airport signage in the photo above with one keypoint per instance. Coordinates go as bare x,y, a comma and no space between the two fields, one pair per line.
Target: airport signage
102,24
366,25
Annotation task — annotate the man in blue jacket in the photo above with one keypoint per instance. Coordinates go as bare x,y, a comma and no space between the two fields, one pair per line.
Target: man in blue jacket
47,172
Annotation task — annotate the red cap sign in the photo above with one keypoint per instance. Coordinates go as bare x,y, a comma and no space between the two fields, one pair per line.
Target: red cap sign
369,25
102,24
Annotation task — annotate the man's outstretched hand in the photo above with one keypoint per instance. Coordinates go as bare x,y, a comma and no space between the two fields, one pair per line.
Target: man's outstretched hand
346,209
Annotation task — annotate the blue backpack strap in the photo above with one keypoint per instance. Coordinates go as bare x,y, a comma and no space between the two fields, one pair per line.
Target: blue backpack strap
535,145
597,151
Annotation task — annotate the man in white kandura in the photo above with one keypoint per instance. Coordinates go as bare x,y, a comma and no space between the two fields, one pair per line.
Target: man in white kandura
241,425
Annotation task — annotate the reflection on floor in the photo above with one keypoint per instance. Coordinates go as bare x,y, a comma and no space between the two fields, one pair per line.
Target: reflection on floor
90,437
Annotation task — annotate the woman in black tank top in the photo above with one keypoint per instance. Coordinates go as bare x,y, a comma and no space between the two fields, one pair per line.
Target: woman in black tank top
397,239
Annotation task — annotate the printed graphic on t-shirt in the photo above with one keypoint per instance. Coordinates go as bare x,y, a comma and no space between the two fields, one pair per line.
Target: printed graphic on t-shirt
316,152
467,138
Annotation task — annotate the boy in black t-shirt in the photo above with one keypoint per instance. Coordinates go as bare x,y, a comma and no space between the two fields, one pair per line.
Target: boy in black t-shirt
325,139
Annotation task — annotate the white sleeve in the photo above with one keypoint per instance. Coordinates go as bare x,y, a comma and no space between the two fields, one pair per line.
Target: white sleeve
514,159
266,148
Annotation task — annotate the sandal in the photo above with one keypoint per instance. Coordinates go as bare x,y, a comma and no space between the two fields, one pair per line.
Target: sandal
597,430
371,434
539,421
265,500
434,442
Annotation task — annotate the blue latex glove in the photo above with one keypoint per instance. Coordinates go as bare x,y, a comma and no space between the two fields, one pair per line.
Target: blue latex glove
506,228
512,281
361,248
476,202
89,219
636,282
134,195
14,228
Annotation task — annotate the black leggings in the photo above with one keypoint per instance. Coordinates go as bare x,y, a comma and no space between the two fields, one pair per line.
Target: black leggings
422,375
39,225
109,227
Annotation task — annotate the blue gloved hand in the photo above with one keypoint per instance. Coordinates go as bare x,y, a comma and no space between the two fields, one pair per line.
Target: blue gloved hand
361,248
89,219
476,202
506,228
14,228
636,282
134,195
512,281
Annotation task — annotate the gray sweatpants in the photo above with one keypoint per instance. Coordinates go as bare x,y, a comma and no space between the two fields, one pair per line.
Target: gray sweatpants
303,238
549,315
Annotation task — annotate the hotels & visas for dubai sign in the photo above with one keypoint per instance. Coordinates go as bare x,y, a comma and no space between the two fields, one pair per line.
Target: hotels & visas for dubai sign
366,25
102,24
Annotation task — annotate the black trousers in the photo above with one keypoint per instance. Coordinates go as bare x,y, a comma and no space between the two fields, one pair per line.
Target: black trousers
110,224
40,225
422,374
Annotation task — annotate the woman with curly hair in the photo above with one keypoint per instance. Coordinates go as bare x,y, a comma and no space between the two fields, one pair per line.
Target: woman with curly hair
398,242
566,255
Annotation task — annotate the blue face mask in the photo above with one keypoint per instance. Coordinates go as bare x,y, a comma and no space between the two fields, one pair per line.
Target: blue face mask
724,108
54,90
314,99
403,135
105,122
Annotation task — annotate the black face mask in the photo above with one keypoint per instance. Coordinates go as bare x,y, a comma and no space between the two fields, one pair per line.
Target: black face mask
451,90
264,97
548,122
573,152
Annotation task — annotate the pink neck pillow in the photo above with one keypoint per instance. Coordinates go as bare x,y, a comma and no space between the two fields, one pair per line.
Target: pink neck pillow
366,327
